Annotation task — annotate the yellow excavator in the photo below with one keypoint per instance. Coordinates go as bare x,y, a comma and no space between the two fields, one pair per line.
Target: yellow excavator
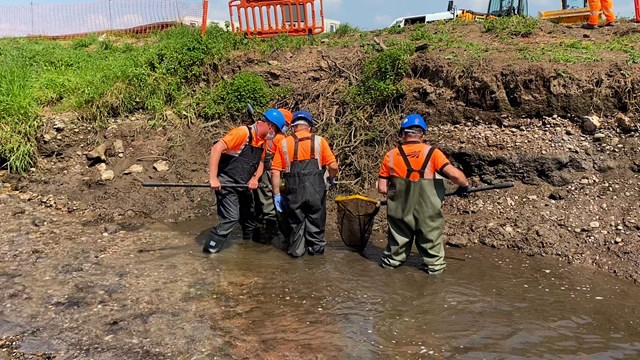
497,8
570,13
573,11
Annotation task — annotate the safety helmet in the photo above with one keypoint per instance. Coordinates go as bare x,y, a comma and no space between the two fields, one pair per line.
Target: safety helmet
288,116
276,117
303,115
413,120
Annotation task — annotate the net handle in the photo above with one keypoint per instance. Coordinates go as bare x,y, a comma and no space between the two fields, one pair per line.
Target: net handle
504,185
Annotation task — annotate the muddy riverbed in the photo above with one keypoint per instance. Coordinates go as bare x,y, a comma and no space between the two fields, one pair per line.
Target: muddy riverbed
74,291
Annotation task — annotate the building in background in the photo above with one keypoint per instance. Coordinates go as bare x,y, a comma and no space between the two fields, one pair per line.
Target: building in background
330,25
196,22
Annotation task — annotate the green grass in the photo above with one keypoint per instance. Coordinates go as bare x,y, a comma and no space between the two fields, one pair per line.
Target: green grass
584,51
380,81
102,79
179,70
514,26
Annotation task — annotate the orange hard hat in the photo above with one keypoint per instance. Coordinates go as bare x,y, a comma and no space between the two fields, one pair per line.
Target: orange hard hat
288,116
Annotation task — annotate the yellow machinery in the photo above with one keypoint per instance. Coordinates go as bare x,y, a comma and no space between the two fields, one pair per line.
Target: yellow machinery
497,8
568,15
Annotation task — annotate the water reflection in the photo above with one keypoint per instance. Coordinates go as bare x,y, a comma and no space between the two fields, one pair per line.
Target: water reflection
493,305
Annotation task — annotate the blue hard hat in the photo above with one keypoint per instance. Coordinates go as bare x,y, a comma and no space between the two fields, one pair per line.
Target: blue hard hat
276,117
413,120
302,115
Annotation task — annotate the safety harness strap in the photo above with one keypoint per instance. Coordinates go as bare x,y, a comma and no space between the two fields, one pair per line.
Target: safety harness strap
296,141
407,163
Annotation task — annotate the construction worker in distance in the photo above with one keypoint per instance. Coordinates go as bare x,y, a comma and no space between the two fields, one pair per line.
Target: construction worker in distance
303,157
237,159
412,178
265,209
596,9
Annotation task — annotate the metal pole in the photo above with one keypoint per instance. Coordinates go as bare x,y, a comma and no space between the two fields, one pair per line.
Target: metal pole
33,31
178,12
205,12
110,19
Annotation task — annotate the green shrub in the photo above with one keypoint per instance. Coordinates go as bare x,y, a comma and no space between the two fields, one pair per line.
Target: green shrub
394,30
517,26
179,53
345,29
84,42
229,98
380,79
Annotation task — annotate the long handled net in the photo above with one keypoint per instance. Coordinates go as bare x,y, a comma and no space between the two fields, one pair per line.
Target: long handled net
356,215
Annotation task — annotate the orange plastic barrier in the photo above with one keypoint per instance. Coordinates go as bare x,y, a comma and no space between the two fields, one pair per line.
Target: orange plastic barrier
638,11
267,18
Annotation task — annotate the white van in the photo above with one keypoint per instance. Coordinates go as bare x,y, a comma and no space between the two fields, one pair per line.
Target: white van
425,18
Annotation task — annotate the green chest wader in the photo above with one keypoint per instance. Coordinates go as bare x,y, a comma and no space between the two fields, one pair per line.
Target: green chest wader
414,212
306,194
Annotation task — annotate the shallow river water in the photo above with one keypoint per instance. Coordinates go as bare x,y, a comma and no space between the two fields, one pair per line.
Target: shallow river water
150,293
488,304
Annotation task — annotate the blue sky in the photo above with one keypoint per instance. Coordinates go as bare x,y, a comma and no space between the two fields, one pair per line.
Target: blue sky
371,14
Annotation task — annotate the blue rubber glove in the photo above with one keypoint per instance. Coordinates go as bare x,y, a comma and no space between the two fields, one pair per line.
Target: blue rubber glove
278,201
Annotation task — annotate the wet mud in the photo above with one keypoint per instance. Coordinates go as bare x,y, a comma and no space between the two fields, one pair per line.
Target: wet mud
73,291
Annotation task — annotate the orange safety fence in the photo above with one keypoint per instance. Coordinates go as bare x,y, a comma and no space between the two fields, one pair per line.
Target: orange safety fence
266,18
637,10
77,19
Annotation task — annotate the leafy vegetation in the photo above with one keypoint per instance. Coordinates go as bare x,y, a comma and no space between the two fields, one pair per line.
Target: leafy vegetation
516,26
381,76
229,97
107,78
345,29
178,70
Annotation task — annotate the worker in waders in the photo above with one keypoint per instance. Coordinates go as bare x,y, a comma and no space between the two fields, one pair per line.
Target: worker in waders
303,157
238,159
267,216
412,176
597,8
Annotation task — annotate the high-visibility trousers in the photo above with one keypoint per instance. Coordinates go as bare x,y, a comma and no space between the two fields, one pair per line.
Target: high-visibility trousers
599,7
